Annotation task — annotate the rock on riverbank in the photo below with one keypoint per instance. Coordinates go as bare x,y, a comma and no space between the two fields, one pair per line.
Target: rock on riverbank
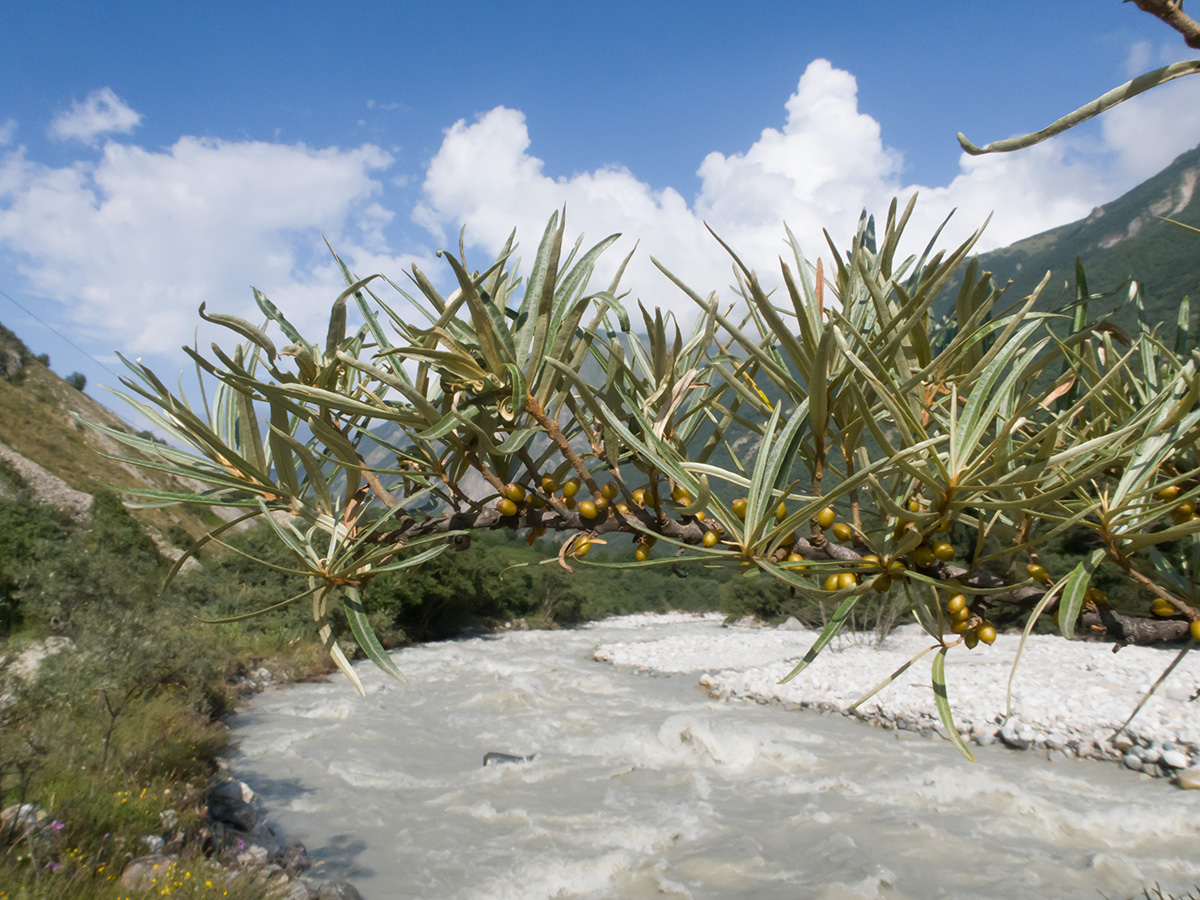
1067,697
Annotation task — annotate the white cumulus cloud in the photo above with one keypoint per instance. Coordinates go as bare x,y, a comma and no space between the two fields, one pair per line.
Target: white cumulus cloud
102,112
131,240
133,243
825,164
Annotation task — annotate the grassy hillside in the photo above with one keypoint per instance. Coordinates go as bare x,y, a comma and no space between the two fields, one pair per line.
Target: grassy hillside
37,421
1127,238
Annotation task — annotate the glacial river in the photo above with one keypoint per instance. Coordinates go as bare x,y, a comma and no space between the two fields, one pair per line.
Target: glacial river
643,787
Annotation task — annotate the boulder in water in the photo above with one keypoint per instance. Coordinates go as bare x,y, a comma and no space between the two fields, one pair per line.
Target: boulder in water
234,803
500,759
338,890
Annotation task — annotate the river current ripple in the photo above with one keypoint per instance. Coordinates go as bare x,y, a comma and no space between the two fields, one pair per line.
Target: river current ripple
644,787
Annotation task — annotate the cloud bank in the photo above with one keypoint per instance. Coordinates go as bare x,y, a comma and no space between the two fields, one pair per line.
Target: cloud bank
131,240
824,165
135,241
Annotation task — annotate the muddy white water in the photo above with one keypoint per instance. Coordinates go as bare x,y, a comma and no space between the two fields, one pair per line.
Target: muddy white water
643,787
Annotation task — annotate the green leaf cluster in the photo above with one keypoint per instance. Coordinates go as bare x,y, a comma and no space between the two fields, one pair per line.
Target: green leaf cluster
532,405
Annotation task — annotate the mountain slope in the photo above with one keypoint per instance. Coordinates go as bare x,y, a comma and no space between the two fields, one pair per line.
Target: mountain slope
1127,238
39,434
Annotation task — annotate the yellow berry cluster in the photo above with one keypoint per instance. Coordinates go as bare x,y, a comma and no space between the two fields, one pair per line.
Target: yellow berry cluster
972,626
1185,511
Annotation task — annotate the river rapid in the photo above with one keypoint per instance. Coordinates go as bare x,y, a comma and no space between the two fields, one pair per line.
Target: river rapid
643,786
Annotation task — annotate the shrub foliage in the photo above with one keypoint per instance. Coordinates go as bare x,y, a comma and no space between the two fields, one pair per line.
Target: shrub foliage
880,451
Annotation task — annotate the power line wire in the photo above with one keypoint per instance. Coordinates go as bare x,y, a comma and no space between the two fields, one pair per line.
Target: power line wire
59,333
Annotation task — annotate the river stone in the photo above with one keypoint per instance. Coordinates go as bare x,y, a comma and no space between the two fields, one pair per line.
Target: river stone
338,890
1011,735
791,623
267,836
1056,740
252,856
1123,742
1188,779
1151,755
26,818
234,803
1175,759
299,890
1132,761
141,874
295,857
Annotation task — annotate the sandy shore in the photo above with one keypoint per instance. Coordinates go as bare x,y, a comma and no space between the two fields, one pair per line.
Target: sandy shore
1067,697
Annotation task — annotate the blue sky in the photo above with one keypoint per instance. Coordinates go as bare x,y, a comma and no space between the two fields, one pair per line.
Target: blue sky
153,156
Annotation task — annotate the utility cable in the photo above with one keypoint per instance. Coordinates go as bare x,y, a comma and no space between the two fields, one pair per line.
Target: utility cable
59,333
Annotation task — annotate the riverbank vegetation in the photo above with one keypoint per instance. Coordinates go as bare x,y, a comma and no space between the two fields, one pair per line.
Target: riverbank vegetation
112,693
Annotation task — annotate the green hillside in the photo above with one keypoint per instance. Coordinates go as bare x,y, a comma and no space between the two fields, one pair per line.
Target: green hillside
38,424
1127,238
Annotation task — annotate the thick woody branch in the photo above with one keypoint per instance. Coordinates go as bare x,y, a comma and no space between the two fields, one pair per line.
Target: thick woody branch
1171,12
1107,624
1097,623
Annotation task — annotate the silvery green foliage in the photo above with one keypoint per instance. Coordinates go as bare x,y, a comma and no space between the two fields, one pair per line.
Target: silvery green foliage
385,445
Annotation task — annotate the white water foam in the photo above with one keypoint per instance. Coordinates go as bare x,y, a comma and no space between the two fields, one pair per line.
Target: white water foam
645,787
